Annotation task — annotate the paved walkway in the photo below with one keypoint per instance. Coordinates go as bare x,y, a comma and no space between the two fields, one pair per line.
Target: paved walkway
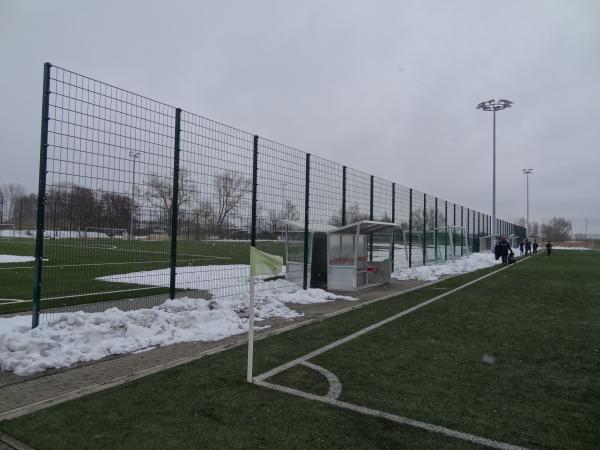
23,395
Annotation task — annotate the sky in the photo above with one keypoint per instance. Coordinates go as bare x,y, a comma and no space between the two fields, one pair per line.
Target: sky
387,87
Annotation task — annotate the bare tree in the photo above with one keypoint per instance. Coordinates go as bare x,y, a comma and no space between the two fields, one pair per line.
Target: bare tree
24,211
353,215
289,212
535,229
558,229
231,187
204,212
11,193
115,210
159,191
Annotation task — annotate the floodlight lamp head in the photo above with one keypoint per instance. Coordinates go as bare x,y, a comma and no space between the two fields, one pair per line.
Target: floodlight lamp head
134,154
493,105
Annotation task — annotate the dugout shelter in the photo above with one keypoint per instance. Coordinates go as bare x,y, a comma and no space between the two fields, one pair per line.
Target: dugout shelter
359,255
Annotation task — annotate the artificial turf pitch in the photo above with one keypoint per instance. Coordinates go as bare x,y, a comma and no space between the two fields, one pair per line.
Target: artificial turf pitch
72,265
514,357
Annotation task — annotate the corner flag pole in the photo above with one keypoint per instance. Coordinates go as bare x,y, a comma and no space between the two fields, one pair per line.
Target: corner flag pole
250,330
261,263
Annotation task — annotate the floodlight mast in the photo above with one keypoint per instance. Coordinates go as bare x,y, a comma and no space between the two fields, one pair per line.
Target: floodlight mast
493,105
526,172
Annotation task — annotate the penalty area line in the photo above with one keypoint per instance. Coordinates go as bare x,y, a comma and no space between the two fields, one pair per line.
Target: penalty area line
392,417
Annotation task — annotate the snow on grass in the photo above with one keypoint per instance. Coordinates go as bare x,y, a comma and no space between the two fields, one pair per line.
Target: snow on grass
71,338
15,259
570,248
469,263
219,280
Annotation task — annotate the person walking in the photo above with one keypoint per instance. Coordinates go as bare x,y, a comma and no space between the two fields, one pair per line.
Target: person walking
535,247
548,248
521,244
527,247
503,249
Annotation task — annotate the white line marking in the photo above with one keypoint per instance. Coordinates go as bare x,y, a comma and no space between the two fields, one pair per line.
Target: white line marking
335,386
352,336
394,418
106,292
8,301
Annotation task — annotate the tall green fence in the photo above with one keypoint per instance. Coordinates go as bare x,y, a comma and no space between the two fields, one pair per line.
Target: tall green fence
140,201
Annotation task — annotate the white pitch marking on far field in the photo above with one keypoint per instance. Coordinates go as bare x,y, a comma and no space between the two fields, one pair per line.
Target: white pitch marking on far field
394,418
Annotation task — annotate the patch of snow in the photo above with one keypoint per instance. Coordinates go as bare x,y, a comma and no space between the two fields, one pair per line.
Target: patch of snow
15,259
70,338
569,248
17,234
220,280
466,264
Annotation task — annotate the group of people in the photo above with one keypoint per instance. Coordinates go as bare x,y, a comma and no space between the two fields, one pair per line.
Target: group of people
526,245
503,250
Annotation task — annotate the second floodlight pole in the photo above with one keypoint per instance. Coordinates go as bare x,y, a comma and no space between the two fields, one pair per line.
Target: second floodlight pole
526,172
493,105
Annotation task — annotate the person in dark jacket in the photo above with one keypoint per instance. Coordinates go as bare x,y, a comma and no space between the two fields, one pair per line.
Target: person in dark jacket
521,244
527,247
535,247
548,248
503,249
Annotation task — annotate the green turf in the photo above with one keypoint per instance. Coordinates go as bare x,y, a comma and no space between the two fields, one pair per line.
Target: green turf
538,319
73,265
538,322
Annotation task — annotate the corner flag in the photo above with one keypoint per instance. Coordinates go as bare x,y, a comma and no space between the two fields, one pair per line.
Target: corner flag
262,263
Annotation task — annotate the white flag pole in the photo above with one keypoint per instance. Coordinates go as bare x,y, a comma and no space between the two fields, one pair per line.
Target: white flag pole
250,330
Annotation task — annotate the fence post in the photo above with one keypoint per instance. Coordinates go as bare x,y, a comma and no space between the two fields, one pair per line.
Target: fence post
478,229
306,208
175,204
473,246
468,227
394,228
254,186
41,200
453,230
344,196
446,227
424,228
410,215
435,231
371,218
462,224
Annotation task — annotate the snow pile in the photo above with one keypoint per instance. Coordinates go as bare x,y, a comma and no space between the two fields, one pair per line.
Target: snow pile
78,337
470,263
15,259
570,248
219,280
6,233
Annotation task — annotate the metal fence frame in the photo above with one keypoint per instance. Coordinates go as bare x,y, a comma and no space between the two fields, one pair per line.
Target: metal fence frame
305,188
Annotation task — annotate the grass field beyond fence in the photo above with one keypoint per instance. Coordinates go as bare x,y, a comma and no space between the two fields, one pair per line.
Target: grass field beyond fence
514,358
72,266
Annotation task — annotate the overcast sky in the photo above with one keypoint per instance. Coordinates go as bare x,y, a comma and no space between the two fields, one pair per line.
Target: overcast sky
388,87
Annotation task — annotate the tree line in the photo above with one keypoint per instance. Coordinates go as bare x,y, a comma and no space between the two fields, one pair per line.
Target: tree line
74,207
